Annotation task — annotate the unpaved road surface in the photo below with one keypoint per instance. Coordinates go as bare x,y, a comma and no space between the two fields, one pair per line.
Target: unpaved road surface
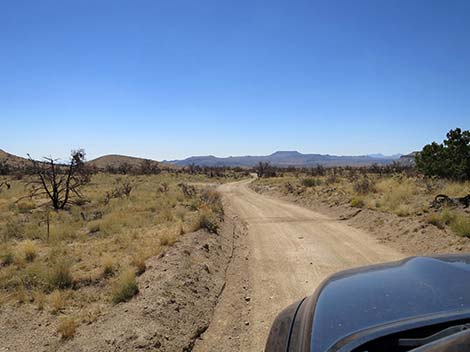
289,250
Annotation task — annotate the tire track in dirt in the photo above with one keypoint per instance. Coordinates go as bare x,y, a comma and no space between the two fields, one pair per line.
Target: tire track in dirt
283,255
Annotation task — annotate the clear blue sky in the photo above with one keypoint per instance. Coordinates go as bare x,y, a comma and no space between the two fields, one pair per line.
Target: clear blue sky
169,79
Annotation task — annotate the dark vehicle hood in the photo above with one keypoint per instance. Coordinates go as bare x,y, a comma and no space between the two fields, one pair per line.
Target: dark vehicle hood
362,299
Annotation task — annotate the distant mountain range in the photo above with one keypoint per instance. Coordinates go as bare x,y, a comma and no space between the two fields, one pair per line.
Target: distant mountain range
280,158
288,158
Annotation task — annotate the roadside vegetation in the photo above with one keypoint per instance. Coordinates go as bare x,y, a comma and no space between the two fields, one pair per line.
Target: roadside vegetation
437,189
75,257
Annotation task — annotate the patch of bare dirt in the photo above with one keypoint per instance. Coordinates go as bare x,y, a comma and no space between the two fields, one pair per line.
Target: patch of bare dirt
178,294
412,234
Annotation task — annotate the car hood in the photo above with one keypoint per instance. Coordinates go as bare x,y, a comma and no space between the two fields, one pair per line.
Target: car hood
360,299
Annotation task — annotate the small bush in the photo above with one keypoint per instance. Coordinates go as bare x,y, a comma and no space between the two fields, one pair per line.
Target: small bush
364,186
206,220
436,220
332,179
311,182
30,250
67,327
213,200
60,276
139,263
447,216
125,287
108,266
403,210
40,300
12,229
32,276
57,301
357,203
461,225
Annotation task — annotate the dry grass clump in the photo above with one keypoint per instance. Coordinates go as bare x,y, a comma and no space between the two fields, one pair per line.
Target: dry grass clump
211,199
403,210
60,276
109,266
29,249
167,239
206,220
357,202
6,256
125,287
39,299
364,186
25,206
396,194
12,230
456,189
461,225
138,261
67,327
436,220
57,301
94,226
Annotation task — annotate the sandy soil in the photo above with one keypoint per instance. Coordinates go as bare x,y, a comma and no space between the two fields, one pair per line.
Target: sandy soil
291,249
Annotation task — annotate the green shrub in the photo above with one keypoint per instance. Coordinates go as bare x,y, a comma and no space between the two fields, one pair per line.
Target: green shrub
125,287
311,182
357,203
448,159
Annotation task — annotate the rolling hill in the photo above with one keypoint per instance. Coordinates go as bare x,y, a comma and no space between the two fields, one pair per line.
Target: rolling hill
12,160
115,160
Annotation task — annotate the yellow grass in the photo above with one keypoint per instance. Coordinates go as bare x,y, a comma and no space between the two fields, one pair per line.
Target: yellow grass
67,327
84,242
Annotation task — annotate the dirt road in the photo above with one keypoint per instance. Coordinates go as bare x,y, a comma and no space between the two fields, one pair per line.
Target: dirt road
289,251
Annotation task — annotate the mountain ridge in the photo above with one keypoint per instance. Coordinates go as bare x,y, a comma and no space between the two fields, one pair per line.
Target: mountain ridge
287,158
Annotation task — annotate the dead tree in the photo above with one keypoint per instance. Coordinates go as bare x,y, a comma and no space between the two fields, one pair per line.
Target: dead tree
60,182
442,200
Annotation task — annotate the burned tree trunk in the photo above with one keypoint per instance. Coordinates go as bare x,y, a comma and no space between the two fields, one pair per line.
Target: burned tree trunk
60,181
443,200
